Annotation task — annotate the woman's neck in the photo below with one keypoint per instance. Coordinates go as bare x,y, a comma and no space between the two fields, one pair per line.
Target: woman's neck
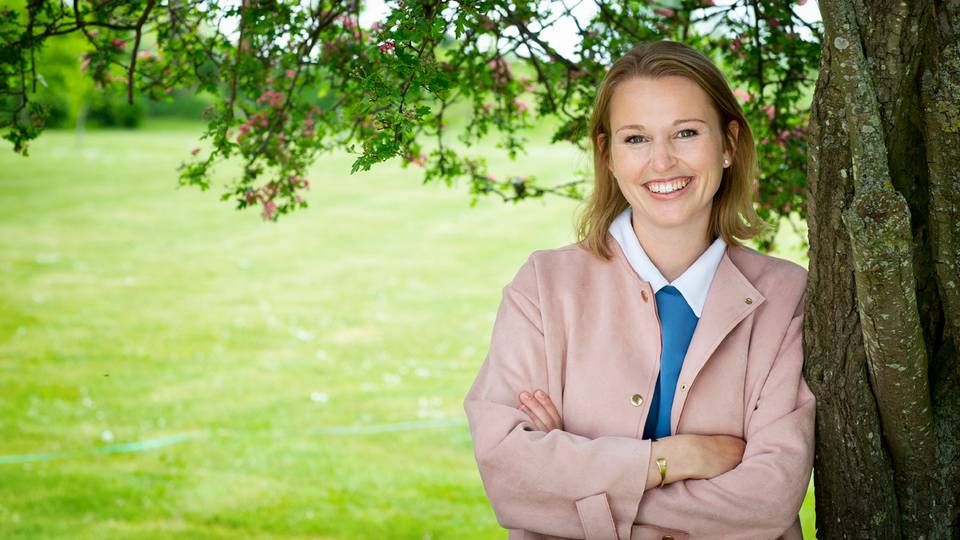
673,250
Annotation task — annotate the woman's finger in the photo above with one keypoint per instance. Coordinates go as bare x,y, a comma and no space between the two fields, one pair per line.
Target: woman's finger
533,418
548,405
537,409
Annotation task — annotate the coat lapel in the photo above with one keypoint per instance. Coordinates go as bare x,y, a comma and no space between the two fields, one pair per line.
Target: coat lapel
730,299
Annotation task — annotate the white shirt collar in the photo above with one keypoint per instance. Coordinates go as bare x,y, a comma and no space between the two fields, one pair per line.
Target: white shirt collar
695,281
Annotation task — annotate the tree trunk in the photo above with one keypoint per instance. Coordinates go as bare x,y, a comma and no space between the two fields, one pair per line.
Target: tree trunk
883,303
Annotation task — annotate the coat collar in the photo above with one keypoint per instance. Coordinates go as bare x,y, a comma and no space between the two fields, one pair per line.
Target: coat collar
730,299
694,282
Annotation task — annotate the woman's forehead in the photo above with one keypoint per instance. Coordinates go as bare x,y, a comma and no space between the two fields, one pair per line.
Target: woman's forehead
665,101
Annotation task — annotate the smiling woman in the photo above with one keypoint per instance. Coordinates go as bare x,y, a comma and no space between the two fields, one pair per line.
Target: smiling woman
646,381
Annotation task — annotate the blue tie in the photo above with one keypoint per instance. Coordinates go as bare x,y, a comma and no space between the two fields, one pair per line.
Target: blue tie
677,323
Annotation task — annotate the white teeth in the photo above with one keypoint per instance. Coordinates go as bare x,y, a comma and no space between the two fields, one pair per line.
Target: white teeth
668,187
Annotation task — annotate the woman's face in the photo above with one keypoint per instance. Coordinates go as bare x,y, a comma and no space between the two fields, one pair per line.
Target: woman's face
666,151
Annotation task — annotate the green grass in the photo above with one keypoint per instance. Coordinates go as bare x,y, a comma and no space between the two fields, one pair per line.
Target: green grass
131,310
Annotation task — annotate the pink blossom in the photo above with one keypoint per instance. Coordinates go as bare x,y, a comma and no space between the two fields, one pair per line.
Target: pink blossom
520,106
487,24
376,26
269,210
770,110
736,43
273,97
773,23
291,73
742,95
84,62
664,11
499,70
387,46
783,137
118,43
250,196
801,2
145,55
309,132
299,182
491,178
420,160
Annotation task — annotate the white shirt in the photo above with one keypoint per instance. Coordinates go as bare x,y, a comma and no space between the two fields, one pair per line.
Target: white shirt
695,281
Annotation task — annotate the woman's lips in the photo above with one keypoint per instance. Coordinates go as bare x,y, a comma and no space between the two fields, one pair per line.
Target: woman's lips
672,194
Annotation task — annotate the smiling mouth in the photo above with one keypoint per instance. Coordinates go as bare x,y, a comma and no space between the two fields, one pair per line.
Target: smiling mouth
670,186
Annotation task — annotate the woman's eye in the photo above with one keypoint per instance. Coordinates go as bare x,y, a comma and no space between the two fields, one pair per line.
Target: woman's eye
692,132
634,139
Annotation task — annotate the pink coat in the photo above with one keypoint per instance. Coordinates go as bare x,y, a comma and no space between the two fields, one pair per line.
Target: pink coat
586,332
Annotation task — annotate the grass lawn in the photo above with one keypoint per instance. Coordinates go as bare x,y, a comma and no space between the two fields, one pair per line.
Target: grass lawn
171,367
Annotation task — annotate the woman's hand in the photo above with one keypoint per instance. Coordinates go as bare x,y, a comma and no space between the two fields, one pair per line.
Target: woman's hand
694,457
541,410
717,454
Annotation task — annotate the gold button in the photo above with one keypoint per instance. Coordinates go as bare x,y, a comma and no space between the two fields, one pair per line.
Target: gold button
637,400
643,294
748,300
667,537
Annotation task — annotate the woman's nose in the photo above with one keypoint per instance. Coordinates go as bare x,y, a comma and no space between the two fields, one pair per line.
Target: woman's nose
662,158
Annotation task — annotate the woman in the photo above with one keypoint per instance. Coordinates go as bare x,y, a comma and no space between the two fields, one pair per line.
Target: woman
646,381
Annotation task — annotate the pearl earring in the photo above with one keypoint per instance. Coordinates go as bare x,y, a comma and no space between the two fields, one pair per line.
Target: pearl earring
726,163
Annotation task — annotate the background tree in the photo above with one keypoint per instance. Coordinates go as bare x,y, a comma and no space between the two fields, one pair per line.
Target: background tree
291,79
883,308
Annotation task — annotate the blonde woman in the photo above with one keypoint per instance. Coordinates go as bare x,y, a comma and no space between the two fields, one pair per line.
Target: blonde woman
646,381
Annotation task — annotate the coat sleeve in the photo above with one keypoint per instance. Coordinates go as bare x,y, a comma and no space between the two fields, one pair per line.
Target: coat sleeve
760,497
555,483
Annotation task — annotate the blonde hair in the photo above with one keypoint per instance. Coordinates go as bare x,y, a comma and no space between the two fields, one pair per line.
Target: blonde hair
732,216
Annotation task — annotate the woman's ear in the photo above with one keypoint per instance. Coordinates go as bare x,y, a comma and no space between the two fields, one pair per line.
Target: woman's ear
604,149
733,135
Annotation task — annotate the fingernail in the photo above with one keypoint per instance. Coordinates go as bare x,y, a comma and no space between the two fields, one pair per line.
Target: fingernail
540,394
524,395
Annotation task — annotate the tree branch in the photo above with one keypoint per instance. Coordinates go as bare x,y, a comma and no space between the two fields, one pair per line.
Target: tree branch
136,47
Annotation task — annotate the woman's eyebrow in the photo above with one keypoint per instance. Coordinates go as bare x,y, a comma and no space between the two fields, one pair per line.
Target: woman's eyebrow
640,126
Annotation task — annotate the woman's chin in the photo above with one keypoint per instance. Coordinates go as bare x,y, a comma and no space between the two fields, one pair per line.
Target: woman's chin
669,221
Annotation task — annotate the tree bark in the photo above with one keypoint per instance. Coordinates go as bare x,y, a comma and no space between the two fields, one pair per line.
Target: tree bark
882,329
